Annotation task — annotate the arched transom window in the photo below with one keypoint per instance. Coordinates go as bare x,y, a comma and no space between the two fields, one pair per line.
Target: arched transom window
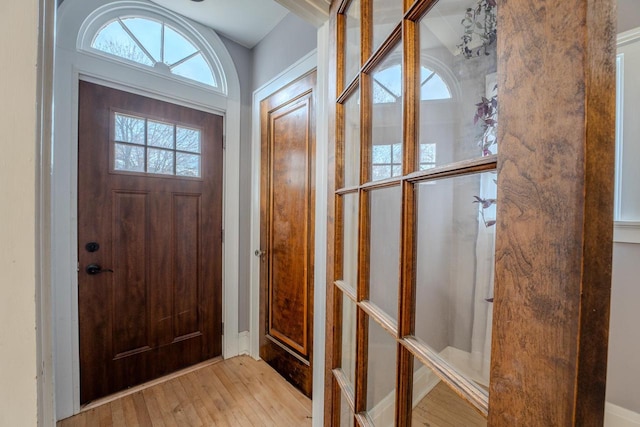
154,43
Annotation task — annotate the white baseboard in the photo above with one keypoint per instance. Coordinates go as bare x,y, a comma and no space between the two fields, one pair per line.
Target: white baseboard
617,416
243,342
424,380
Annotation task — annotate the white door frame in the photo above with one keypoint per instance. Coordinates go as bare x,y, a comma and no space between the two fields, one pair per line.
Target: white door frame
315,59
73,65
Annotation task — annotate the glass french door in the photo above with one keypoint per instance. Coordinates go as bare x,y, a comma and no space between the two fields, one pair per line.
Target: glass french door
415,211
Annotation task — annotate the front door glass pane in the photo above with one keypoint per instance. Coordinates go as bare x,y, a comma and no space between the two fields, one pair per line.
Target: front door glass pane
454,268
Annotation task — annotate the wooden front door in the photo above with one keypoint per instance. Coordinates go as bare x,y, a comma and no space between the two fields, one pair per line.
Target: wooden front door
149,238
287,205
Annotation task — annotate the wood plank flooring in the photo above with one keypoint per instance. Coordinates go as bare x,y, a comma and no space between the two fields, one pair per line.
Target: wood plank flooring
234,392
442,407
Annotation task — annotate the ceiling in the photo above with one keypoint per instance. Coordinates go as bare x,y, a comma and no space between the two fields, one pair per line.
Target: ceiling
243,21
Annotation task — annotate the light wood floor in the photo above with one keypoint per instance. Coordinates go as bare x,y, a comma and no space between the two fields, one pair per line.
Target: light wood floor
442,407
234,392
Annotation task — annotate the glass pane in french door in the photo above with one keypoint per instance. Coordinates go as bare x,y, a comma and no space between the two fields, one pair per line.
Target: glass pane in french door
346,414
435,404
352,140
387,14
386,119
458,92
348,363
455,228
350,240
384,261
381,376
352,41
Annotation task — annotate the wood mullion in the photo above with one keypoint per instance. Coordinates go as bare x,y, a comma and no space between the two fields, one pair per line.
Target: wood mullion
366,106
345,386
404,387
347,190
364,239
465,167
410,116
380,317
383,183
366,27
341,24
464,387
362,353
346,290
387,46
364,420
334,166
419,9
351,87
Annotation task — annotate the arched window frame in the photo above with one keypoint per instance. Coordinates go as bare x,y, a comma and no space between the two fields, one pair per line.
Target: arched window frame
103,16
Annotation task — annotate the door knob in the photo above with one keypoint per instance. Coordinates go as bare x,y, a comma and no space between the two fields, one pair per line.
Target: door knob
94,269
260,253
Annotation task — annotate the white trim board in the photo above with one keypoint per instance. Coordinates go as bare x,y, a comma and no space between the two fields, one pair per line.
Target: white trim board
626,232
617,416
71,67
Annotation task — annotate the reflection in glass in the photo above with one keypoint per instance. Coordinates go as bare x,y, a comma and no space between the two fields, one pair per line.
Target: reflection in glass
435,404
352,42
385,249
346,415
381,376
352,140
159,161
348,364
129,158
387,117
454,270
458,92
350,239
160,134
129,129
387,14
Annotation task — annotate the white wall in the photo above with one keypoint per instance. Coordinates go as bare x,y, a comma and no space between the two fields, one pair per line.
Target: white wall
289,41
18,172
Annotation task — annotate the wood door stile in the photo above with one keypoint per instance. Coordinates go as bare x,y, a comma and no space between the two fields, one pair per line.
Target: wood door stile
287,225
160,308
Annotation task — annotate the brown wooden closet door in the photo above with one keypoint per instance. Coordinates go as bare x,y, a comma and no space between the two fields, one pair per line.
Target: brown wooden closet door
287,224
149,238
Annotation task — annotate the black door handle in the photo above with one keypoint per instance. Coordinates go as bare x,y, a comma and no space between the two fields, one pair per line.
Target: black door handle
96,269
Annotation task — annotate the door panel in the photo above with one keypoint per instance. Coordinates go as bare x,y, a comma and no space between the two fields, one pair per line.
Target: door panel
287,200
155,307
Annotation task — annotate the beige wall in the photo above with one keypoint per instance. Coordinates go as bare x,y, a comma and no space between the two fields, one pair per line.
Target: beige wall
18,52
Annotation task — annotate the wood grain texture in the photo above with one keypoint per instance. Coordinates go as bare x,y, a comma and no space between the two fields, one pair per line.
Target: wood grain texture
556,77
234,392
287,204
160,309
